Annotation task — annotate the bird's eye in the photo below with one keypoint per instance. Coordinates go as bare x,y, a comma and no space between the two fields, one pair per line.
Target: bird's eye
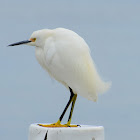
33,39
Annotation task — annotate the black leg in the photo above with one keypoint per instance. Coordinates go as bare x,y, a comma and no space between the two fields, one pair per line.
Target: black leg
58,123
72,108
69,102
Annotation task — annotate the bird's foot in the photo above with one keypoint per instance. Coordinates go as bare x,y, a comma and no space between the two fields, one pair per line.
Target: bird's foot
73,125
53,125
57,124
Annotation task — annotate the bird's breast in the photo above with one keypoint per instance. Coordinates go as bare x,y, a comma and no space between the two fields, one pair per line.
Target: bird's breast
45,56
39,53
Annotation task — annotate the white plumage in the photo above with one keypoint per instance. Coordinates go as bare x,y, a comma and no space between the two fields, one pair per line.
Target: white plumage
66,57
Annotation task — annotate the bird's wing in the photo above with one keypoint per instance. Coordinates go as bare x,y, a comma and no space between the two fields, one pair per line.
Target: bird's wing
70,63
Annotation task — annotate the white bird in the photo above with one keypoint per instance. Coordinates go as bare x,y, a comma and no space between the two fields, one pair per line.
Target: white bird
66,57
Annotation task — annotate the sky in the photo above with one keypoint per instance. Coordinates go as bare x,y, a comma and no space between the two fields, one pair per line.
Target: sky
27,93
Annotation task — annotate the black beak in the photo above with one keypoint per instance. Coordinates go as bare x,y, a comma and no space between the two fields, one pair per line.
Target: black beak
21,42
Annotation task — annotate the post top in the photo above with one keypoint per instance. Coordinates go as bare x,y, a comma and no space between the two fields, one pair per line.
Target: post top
82,132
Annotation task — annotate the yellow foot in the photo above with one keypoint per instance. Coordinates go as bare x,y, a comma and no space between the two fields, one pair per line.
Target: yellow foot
72,125
52,125
57,125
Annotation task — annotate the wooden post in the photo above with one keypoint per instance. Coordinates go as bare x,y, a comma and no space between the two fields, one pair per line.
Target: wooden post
85,132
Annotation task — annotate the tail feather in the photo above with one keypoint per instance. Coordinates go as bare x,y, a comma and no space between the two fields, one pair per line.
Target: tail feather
103,87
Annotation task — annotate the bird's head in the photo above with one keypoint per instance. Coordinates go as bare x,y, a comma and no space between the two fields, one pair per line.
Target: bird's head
37,38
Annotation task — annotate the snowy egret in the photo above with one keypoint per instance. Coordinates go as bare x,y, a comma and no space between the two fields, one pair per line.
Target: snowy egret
66,57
